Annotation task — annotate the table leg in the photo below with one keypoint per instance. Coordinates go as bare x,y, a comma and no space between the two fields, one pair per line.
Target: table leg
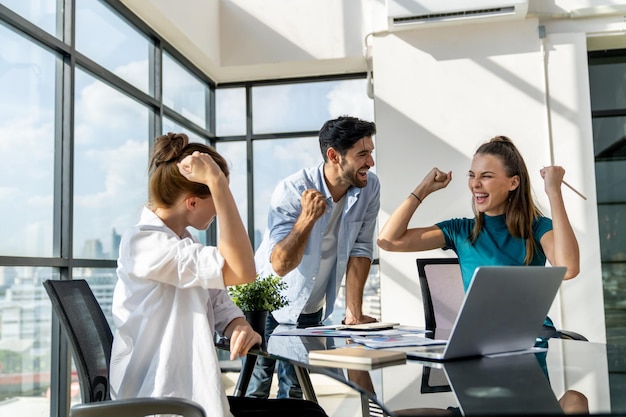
244,376
305,383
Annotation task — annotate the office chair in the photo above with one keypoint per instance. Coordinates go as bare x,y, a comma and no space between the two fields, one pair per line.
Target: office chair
90,337
443,293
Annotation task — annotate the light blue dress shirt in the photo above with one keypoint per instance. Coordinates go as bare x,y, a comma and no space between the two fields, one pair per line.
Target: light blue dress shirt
356,236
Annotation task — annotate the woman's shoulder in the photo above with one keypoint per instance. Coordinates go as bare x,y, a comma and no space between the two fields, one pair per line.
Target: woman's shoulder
542,223
457,222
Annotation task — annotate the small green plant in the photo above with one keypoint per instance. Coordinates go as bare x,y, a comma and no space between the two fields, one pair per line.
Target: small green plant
263,294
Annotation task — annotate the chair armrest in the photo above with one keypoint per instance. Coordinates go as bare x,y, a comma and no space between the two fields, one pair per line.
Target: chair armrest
139,407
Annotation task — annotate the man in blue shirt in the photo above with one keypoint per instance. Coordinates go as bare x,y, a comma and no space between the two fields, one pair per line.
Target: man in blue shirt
320,227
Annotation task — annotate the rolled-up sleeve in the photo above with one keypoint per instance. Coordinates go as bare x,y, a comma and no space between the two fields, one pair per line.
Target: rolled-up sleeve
224,310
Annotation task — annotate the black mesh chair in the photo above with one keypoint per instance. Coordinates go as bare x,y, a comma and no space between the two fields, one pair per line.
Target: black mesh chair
442,294
90,337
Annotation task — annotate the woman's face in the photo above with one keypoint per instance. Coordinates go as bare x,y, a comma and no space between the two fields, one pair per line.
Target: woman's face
489,184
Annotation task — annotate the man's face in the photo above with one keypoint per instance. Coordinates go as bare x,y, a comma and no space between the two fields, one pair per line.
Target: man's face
356,162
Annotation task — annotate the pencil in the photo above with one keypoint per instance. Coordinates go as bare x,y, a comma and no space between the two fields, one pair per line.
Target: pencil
574,190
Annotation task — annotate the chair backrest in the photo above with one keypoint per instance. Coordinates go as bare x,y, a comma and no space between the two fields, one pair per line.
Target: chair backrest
88,332
442,291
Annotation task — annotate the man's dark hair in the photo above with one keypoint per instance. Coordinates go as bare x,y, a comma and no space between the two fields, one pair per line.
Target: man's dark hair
343,132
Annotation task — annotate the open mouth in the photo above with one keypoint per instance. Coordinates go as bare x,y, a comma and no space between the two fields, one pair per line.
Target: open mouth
480,198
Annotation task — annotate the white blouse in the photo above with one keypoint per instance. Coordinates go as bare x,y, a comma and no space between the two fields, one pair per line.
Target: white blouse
168,301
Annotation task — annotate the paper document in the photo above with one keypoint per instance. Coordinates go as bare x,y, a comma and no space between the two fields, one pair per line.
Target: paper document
336,331
388,341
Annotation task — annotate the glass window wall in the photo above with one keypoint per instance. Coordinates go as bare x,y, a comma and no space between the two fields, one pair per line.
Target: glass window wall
42,13
230,111
27,126
111,164
306,106
184,93
607,79
107,39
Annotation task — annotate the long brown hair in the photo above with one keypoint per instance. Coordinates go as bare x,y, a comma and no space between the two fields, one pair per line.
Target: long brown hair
166,183
520,210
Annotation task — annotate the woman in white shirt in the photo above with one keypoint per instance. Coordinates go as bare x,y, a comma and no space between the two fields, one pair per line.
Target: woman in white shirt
170,295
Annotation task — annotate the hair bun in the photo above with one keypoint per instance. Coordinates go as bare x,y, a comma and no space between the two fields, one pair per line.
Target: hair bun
168,148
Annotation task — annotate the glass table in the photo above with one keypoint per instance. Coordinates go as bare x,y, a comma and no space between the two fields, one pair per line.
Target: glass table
571,374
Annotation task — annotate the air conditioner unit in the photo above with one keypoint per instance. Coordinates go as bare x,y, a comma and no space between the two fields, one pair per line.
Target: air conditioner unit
411,14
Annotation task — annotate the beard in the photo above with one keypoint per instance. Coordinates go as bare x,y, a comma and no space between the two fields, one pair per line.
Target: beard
352,177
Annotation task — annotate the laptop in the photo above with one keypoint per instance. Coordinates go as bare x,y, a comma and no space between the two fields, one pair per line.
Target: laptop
503,311
514,384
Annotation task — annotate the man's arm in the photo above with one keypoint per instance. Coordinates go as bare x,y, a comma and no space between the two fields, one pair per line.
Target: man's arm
357,272
287,254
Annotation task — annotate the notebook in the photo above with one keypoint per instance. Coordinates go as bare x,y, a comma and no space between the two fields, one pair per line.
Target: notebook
352,357
503,311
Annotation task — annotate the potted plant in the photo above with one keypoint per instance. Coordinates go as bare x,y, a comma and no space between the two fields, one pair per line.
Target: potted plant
258,298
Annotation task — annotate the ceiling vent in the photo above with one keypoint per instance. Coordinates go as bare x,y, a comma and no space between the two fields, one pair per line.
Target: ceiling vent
412,14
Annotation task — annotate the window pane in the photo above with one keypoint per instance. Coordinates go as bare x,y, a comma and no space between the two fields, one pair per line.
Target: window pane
608,85
230,111
614,288
111,42
25,340
306,106
235,154
610,180
42,13
110,174
609,137
273,161
184,93
171,126
371,297
612,225
27,125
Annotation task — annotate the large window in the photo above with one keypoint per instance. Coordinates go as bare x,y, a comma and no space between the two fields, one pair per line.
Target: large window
27,126
77,123
277,136
607,76
110,166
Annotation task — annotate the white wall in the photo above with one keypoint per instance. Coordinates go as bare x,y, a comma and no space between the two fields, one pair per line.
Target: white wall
440,92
